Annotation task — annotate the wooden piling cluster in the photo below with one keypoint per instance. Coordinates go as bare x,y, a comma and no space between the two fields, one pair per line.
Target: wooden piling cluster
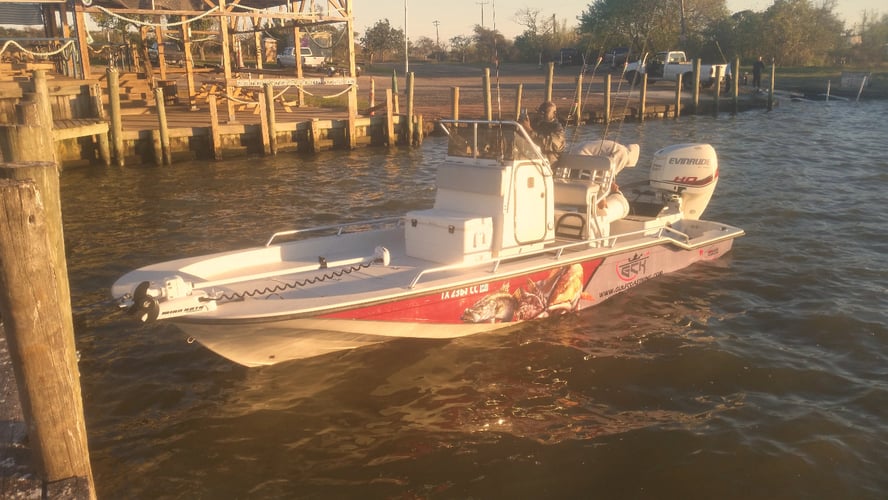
631,104
165,143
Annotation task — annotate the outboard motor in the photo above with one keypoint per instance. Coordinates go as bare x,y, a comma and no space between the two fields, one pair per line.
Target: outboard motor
689,171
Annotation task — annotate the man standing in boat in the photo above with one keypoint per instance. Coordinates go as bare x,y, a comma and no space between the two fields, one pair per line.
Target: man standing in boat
546,131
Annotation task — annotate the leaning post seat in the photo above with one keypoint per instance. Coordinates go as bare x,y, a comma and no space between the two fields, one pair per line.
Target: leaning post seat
581,182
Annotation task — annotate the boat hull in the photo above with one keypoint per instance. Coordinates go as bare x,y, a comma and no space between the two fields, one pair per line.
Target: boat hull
479,306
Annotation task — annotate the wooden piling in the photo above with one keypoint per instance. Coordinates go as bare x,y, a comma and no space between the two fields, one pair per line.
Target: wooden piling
485,88
454,103
578,103
164,127
642,104
38,323
550,77
678,79
353,117
157,147
771,88
216,137
420,130
518,96
372,95
716,94
41,94
30,139
101,139
264,131
389,119
696,85
607,98
409,123
271,117
315,136
397,108
116,118
735,84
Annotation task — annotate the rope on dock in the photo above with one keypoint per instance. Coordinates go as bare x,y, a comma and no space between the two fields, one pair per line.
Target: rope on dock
34,53
156,25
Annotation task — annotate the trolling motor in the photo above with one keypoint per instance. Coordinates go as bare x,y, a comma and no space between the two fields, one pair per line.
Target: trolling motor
177,297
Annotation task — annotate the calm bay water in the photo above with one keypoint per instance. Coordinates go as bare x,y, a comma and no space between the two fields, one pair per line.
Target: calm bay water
761,375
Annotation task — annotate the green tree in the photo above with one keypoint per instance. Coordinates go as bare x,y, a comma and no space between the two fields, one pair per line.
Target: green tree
380,39
796,32
650,25
461,46
490,44
874,39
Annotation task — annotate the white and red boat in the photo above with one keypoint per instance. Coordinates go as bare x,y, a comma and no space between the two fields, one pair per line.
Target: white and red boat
509,239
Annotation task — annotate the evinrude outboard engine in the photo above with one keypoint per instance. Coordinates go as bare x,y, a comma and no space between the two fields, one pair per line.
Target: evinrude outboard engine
689,171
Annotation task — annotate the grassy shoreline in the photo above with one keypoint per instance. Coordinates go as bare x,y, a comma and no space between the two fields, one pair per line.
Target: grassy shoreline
814,80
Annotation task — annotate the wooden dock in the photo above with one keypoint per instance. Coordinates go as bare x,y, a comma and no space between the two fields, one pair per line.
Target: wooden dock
265,119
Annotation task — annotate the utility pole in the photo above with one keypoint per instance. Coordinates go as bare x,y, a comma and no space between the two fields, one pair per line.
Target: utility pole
406,42
482,4
437,40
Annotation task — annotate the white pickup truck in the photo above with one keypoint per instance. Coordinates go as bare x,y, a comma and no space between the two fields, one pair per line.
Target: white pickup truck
287,58
668,65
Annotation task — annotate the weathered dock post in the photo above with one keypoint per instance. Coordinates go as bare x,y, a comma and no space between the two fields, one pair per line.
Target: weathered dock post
771,88
395,102
454,103
485,88
696,87
31,138
550,78
642,105
372,96
735,84
409,91
678,82
164,128
101,139
716,94
518,96
352,116
116,118
35,304
315,137
215,135
578,102
264,129
389,119
607,98
272,117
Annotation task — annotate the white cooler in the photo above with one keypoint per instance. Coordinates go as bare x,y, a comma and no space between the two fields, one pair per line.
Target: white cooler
448,237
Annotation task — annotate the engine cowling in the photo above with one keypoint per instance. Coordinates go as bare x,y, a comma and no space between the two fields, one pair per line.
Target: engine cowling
689,171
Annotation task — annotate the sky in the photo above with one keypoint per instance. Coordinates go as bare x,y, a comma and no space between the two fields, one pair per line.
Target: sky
459,17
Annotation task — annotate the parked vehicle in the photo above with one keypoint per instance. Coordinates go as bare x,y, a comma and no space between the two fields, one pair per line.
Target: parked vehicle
172,53
287,58
569,56
617,56
668,65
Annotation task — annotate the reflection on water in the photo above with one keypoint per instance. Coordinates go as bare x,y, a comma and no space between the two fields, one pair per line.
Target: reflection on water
758,375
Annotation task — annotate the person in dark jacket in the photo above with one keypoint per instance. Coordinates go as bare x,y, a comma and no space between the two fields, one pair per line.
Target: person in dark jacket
546,131
757,68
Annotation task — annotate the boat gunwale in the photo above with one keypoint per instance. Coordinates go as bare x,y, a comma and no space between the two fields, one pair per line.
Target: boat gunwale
560,258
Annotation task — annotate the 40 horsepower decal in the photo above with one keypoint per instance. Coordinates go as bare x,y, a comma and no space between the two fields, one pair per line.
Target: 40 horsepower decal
533,295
